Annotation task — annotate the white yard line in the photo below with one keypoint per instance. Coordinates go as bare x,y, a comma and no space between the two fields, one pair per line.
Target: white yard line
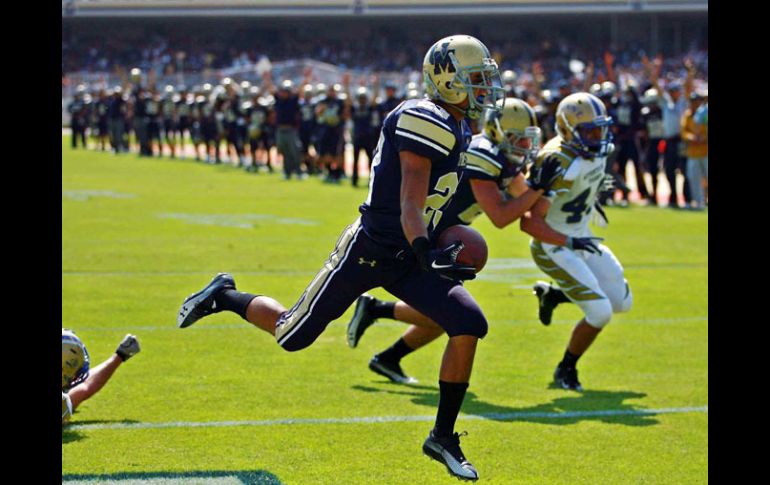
517,416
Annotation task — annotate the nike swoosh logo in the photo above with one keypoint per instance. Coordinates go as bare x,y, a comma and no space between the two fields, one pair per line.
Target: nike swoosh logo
440,266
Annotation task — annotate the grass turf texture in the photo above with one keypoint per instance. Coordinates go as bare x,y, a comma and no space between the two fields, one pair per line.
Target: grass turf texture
139,235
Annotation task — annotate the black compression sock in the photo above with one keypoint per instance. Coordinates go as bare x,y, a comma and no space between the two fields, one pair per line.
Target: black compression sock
395,352
234,301
569,360
383,309
450,400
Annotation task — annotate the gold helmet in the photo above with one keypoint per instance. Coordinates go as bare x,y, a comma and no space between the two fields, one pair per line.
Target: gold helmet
75,362
457,65
583,124
513,128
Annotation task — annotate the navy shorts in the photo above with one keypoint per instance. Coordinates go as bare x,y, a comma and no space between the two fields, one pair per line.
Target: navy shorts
330,143
359,264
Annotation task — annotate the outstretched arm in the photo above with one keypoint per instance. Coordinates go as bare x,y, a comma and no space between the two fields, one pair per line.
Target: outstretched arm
502,211
102,373
95,381
533,223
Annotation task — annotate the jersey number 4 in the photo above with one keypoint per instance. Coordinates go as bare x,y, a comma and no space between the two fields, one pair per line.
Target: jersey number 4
576,207
445,187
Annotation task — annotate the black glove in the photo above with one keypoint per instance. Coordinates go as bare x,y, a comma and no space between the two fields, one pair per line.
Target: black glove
607,183
543,176
128,347
442,261
584,244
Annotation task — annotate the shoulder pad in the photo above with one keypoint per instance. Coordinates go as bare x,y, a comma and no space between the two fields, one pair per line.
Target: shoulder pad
433,108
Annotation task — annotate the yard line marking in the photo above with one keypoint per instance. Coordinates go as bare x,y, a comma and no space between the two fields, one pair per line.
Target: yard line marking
185,273
230,326
523,416
500,274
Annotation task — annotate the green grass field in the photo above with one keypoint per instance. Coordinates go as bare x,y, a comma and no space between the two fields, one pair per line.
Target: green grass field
213,403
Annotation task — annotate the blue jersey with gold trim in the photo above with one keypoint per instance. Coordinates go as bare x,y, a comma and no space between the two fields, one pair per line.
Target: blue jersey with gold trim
482,161
422,127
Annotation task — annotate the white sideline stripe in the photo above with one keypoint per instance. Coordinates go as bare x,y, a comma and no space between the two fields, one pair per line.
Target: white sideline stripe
392,419
231,326
233,480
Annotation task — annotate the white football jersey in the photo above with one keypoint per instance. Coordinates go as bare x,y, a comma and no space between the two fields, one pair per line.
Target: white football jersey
574,193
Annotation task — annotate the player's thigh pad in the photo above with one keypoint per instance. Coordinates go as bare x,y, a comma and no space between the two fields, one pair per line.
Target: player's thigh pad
333,289
445,302
356,265
609,272
574,277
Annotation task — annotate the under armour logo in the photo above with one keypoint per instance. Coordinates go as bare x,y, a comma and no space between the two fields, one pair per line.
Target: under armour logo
370,263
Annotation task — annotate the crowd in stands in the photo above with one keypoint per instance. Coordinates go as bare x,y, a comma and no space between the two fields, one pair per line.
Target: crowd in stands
659,103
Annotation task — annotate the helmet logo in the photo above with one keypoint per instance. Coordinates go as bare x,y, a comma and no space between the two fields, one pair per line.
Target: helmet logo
441,60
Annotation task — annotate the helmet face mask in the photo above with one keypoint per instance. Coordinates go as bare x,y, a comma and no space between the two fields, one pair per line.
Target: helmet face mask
512,126
74,359
456,68
583,124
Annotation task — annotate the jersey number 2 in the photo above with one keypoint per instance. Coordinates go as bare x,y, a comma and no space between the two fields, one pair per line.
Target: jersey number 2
445,188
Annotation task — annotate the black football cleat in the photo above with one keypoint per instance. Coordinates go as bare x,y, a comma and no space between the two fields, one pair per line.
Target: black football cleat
567,378
542,290
446,450
198,305
362,319
390,370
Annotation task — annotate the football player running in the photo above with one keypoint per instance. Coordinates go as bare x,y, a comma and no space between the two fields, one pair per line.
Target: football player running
78,381
563,247
492,182
414,174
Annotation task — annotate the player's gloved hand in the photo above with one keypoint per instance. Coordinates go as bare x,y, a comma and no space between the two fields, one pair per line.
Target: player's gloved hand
542,176
608,183
442,261
128,347
584,244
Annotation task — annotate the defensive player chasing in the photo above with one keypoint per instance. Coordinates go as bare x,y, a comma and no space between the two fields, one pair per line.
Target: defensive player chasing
588,275
491,182
414,174
78,381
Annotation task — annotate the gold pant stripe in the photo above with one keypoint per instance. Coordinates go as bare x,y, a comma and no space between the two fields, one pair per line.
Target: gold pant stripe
573,288
298,313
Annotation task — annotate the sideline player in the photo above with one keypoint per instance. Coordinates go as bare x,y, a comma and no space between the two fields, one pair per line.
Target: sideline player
589,276
414,175
78,381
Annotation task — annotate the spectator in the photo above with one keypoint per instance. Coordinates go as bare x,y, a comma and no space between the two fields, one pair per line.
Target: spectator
695,136
672,103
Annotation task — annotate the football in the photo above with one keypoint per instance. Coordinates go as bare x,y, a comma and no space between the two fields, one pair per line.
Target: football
475,251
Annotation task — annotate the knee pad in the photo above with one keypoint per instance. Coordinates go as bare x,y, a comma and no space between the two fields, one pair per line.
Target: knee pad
625,303
469,323
598,313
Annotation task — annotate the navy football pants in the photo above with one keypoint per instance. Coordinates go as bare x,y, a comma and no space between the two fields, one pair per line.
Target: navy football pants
359,264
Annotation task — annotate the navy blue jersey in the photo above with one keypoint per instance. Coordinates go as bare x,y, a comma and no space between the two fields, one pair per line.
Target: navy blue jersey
426,129
287,110
482,161
363,122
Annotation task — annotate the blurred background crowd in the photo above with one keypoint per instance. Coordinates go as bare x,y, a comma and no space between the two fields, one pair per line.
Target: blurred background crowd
308,96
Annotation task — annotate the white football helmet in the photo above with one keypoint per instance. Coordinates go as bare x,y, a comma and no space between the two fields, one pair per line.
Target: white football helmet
457,65
75,362
513,128
583,124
